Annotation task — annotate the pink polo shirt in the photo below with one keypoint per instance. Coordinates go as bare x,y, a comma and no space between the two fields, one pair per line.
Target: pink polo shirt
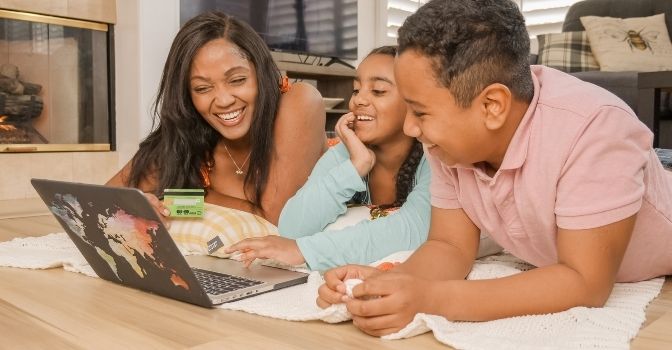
579,159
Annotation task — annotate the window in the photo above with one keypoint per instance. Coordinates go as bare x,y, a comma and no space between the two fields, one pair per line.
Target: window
392,14
541,16
544,16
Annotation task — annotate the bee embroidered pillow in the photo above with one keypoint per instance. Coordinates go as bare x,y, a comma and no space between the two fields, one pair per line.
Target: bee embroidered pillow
629,44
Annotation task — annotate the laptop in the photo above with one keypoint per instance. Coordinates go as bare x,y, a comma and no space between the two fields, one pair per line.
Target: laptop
124,241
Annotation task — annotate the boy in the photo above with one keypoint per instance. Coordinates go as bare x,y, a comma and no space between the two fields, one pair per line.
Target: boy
561,173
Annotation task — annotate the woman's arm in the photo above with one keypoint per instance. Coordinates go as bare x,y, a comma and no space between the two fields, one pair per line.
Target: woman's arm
147,185
299,141
369,241
323,198
120,179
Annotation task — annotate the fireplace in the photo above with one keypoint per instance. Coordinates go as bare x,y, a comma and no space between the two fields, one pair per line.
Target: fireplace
55,84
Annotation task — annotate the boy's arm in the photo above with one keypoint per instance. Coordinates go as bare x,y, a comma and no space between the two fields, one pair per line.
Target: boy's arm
588,261
450,250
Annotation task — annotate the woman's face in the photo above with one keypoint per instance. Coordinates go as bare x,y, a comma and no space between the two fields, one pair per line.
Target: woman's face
223,88
375,101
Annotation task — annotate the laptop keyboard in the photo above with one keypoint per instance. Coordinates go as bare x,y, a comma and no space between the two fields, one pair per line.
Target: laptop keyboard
216,283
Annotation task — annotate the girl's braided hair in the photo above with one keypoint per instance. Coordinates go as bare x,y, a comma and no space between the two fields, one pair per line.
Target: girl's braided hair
406,173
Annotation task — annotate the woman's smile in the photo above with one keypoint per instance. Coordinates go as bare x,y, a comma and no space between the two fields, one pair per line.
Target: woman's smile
231,118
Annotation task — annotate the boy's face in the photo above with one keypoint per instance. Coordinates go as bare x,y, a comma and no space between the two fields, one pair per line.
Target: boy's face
453,134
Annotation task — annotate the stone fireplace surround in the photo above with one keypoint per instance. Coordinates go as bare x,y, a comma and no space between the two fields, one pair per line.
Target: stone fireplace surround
17,197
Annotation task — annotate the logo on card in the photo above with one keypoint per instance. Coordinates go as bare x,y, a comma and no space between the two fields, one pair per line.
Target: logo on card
214,244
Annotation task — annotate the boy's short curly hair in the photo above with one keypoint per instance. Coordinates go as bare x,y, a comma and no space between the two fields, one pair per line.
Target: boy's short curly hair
474,43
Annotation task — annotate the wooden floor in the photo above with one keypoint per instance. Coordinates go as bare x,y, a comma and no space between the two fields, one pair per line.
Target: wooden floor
63,310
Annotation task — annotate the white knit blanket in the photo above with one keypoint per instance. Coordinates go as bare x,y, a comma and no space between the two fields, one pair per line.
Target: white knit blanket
609,327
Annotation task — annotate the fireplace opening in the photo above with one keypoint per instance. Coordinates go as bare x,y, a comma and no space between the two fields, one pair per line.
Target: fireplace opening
55,85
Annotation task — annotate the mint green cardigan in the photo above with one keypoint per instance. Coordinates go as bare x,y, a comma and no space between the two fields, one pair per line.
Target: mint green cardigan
323,199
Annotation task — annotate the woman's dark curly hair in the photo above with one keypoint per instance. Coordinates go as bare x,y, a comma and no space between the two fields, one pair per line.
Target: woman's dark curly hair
181,141
474,43
406,173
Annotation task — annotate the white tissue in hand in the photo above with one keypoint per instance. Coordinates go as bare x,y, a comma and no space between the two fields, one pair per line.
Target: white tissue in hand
349,284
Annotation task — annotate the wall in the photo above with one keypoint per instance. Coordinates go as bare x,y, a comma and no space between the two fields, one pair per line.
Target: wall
145,29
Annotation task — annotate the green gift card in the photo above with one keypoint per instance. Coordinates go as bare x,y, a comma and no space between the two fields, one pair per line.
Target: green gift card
184,203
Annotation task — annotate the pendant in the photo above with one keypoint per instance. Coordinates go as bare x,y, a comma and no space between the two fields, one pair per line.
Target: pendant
239,172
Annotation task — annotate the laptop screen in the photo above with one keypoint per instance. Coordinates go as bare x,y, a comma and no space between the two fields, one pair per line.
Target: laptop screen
121,237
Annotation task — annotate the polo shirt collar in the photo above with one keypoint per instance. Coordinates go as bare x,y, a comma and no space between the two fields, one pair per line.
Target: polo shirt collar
516,153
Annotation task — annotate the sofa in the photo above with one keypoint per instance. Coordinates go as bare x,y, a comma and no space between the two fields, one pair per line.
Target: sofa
622,84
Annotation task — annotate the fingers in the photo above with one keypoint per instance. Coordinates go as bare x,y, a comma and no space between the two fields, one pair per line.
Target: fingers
334,278
251,249
380,325
377,285
345,129
344,124
159,208
248,262
248,244
369,306
333,289
237,247
327,296
157,204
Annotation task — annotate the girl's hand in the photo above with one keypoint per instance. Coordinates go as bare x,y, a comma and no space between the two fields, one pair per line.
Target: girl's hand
361,156
159,208
278,248
333,289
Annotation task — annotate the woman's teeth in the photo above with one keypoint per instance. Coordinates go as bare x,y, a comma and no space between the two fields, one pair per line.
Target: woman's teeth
230,116
364,117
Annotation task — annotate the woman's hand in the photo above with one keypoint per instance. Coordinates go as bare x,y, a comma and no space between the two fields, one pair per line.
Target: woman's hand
333,289
159,208
278,248
361,156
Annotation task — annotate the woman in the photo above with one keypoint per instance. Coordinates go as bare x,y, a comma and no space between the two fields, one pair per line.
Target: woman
222,123
375,165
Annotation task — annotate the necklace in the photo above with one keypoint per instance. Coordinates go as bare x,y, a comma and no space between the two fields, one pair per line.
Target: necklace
239,169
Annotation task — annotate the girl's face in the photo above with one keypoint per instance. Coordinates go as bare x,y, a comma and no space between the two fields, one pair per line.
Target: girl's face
376,103
223,88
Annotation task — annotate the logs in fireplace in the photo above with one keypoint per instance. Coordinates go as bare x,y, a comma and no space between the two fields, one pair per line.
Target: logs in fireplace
19,105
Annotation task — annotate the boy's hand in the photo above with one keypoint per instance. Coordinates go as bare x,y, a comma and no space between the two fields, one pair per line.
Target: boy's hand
333,289
387,302
361,156
278,248
159,208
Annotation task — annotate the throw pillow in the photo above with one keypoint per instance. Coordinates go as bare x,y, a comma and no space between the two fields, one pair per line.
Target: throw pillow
632,44
568,52
194,235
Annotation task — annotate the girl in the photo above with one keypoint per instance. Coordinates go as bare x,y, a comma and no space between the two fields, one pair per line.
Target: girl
375,165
